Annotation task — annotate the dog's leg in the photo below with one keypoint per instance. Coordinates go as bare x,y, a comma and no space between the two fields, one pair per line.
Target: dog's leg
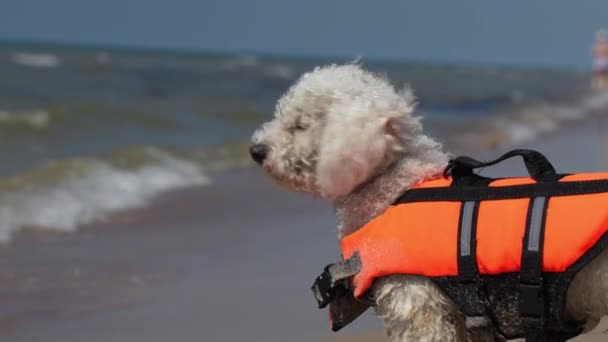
415,309
588,293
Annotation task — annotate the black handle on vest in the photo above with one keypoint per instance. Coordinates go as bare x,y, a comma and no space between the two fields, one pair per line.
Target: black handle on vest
538,166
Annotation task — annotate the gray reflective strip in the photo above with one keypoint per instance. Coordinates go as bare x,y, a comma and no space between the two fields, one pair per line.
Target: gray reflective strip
536,222
466,226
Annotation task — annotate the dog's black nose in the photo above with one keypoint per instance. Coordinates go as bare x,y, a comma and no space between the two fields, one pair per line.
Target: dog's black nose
258,152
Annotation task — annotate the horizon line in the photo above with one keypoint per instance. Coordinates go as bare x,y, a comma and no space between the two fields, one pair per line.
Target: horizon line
29,43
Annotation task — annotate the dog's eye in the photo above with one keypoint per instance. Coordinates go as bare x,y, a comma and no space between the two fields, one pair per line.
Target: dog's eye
298,126
299,165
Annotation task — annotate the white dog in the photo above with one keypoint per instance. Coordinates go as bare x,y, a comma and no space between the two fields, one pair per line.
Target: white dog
346,135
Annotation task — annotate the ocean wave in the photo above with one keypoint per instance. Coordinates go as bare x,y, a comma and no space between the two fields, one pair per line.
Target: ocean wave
239,62
526,123
37,119
597,101
62,195
472,104
37,60
279,71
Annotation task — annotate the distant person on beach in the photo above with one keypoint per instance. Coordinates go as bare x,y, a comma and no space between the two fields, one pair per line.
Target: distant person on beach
600,60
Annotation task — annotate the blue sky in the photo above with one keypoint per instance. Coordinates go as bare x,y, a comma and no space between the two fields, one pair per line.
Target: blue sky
539,32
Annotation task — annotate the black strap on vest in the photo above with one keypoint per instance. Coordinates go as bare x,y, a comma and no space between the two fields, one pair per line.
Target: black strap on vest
471,296
532,294
469,292
532,306
467,260
539,168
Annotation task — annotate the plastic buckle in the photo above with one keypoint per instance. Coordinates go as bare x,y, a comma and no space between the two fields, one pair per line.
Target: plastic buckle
333,282
532,307
322,289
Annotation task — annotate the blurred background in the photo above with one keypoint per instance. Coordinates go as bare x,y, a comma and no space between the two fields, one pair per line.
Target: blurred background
129,208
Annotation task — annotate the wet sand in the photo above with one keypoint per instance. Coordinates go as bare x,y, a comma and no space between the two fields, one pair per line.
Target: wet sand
232,261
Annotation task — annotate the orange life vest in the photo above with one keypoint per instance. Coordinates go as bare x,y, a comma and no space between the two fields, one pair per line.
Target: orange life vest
500,239
417,237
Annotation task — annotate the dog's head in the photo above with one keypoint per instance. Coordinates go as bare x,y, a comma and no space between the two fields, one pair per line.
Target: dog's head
335,128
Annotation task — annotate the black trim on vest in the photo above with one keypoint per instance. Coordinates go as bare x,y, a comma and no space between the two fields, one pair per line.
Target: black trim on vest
472,180
478,193
532,293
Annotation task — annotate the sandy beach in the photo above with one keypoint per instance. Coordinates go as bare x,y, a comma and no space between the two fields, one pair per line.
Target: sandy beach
231,261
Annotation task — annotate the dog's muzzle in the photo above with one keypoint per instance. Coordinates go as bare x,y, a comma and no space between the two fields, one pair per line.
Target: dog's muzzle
259,152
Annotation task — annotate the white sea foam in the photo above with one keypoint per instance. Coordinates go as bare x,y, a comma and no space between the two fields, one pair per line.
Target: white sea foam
87,191
239,62
528,122
279,71
34,119
596,101
38,60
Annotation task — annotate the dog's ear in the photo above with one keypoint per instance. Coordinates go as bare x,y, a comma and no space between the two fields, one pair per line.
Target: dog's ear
352,147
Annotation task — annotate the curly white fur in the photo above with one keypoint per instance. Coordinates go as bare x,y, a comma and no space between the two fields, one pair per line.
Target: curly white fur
344,134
